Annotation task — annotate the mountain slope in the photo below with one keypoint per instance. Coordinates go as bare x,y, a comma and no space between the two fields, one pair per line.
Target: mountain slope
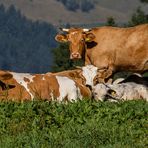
54,12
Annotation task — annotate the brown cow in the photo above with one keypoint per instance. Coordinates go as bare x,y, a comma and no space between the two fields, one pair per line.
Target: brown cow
111,49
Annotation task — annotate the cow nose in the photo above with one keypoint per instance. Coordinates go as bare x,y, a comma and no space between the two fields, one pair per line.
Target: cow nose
75,55
89,86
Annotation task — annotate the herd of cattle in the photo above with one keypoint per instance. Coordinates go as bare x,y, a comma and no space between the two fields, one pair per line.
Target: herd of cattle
105,50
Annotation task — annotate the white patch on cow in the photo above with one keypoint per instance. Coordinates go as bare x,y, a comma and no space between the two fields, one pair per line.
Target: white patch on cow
73,33
51,95
19,77
68,89
89,72
130,91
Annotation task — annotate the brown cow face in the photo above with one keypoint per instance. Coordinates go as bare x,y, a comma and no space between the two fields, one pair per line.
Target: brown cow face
77,39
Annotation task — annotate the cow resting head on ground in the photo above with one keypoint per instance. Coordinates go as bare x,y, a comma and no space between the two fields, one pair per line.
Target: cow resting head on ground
128,89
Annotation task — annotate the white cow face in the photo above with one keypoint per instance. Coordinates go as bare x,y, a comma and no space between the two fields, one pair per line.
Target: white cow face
89,72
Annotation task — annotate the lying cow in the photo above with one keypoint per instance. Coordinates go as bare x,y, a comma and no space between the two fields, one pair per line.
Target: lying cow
86,75
111,49
25,86
125,90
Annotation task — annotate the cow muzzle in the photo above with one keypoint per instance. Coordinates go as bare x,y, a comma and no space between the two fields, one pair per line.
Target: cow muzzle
75,56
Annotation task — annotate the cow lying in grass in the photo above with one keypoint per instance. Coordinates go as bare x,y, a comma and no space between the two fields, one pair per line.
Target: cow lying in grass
60,86
87,75
134,87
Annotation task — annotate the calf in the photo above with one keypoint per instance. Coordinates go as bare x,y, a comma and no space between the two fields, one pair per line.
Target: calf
126,90
25,86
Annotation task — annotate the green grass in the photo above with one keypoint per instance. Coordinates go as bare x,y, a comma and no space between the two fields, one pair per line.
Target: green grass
86,123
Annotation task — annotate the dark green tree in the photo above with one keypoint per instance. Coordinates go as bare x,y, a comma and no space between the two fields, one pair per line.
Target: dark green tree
83,5
111,22
139,17
86,5
144,1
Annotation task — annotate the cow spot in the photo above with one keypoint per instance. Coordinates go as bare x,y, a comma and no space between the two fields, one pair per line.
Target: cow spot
26,79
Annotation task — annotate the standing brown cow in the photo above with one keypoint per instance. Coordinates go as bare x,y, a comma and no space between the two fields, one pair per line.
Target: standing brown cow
111,49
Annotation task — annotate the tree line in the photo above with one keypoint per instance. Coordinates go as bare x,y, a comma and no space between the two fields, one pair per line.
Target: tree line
25,46
83,5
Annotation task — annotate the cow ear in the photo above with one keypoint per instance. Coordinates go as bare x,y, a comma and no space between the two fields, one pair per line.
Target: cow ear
5,75
89,37
61,38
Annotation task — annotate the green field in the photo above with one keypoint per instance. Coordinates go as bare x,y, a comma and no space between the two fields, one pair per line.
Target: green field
86,123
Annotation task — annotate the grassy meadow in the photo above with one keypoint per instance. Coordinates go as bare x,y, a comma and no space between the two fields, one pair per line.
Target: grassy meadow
86,123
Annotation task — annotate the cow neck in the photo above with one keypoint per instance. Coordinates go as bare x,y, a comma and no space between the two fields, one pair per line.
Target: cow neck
88,55
84,51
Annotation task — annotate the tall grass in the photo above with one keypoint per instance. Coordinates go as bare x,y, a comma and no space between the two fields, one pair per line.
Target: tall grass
85,123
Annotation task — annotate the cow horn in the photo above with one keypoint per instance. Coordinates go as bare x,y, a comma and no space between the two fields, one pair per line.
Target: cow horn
64,29
86,29
78,67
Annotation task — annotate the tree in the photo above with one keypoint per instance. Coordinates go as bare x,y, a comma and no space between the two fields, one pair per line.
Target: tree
144,1
86,5
139,17
111,22
83,5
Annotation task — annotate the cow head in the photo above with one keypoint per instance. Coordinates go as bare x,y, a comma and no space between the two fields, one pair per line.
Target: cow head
104,92
77,38
89,75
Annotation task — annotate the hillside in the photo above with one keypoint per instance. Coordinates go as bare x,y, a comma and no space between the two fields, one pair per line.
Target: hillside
54,12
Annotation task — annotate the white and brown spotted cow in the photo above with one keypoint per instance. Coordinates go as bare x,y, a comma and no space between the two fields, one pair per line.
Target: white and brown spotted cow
67,85
25,86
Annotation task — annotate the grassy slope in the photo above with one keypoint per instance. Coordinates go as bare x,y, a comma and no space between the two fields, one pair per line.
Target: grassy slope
82,124
54,12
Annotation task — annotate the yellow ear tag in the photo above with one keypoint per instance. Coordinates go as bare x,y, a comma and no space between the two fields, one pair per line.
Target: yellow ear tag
113,93
64,40
87,39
